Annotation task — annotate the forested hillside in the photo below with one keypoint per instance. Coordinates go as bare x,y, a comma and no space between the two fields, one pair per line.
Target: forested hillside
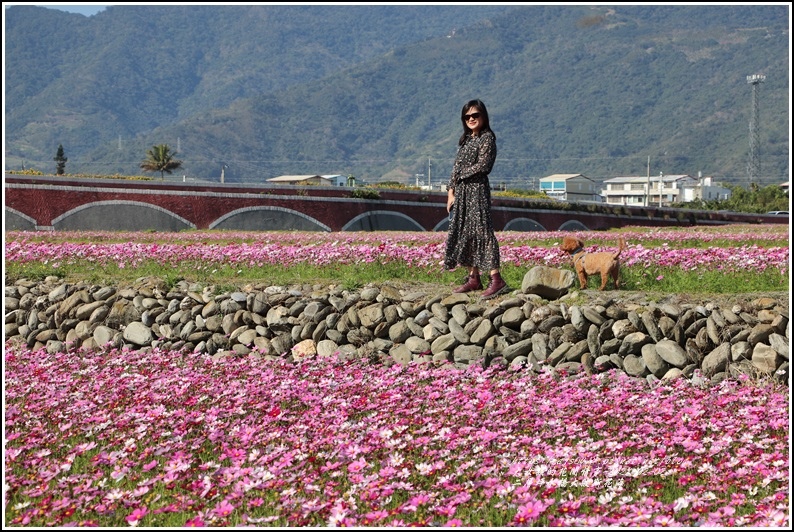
375,91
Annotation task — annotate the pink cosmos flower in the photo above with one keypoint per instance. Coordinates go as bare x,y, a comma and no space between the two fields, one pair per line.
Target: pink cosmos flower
136,515
357,466
223,509
529,511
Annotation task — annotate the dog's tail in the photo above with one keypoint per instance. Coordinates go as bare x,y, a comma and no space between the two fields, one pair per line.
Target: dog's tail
621,247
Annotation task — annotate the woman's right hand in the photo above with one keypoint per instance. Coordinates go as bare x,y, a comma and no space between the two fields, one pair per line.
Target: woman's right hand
450,200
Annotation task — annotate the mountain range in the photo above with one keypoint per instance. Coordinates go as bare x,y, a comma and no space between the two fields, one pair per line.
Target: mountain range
376,91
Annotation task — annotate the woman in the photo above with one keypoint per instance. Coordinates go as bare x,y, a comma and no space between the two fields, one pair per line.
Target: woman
471,241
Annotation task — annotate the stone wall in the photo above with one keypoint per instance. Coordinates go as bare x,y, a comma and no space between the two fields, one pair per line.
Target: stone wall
585,331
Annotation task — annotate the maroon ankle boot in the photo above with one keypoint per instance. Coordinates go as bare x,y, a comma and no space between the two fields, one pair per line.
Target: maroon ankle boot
472,283
496,287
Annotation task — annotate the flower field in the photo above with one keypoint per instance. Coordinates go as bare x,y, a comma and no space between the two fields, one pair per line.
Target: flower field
748,249
160,439
153,438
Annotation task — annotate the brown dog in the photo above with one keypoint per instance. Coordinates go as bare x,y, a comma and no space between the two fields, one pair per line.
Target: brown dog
604,263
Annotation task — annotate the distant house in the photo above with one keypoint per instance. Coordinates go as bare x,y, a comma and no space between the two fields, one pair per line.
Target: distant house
784,186
300,180
341,180
647,191
569,187
705,190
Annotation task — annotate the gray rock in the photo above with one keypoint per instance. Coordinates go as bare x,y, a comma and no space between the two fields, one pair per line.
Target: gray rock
655,363
551,283
138,334
717,361
672,353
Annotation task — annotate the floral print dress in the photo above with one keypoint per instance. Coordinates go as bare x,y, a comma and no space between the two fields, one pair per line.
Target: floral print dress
471,241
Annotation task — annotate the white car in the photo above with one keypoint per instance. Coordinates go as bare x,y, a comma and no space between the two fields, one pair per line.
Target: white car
781,213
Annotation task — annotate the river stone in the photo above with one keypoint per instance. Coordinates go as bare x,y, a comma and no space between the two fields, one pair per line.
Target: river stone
467,353
716,361
458,332
137,333
779,343
593,316
513,317
633,342
547,282
634,366
417,345
655,363
401,354
672,353
766,359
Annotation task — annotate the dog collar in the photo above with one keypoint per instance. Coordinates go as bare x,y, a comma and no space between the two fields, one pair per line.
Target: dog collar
577,250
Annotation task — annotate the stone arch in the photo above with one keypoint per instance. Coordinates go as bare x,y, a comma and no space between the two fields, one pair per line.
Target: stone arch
573,225
382,221
268,218
523,224
120,215
18,221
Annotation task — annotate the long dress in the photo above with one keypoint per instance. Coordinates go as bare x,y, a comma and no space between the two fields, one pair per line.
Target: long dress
471,241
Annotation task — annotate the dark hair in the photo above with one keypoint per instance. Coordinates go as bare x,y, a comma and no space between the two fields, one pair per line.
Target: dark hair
486,123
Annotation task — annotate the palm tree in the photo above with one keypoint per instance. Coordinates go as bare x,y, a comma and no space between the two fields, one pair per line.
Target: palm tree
160,159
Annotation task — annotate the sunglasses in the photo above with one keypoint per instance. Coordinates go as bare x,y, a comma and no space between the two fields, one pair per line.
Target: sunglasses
475,116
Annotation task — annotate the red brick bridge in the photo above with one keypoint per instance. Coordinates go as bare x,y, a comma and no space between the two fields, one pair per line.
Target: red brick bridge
70,203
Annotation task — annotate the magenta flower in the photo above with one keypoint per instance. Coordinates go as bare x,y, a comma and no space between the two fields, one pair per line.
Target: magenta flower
224,509
136,515
194,522
529,511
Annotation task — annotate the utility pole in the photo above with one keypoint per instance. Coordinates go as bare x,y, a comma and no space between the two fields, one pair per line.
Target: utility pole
429,184
661,186
752,164
648,185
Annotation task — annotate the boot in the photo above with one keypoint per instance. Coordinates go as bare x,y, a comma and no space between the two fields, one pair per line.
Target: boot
472,283
496,287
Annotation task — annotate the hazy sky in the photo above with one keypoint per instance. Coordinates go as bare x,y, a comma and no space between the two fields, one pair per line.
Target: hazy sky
84,9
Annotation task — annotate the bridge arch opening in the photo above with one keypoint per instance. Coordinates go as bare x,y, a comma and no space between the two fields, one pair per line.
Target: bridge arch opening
120,215
266,218
573,225
524,225
18,221
382,221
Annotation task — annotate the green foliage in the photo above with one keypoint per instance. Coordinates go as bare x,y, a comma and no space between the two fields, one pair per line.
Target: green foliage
60,160
753,200
364,193
520,193
160,159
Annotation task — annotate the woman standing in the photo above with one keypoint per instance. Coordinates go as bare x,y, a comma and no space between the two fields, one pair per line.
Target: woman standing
471,241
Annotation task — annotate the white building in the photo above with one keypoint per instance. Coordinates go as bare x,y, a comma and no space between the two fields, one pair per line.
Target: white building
338,180
300,180
569,187
334,180
706,190
641,191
